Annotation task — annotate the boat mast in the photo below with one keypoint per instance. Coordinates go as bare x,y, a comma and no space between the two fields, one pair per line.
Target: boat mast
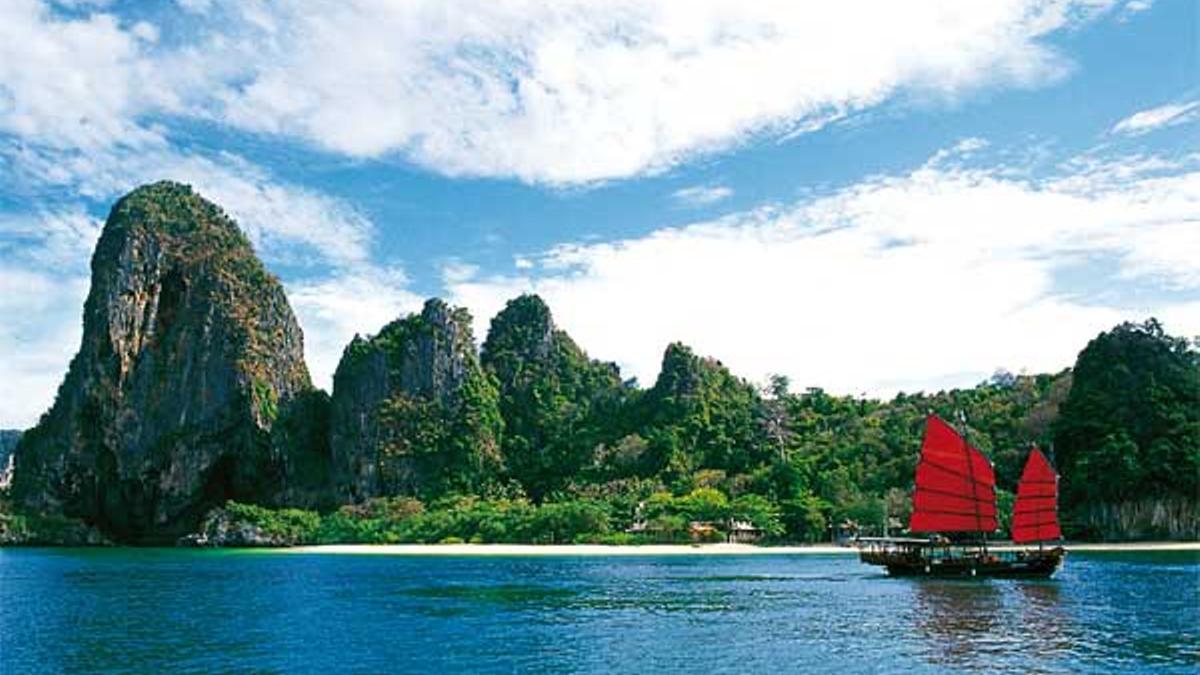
1032,447
962,419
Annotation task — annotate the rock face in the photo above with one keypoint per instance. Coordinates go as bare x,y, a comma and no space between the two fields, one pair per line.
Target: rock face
21,530
412,411
558,405
8,443
189,353
1158,517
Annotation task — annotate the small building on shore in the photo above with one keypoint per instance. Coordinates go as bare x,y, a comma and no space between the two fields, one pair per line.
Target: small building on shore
742,532
703,531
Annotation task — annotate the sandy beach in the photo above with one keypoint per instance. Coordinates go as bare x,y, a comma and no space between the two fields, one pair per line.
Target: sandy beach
567,549
662,549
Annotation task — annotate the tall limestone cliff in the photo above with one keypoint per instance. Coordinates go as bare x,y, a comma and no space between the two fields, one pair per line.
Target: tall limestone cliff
190,352
412,411
558,405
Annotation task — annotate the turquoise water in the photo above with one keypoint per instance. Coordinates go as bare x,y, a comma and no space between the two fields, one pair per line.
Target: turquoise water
198,611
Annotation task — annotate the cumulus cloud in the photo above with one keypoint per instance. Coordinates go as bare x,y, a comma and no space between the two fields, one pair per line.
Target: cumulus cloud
581,91
939,275
333,309
287,223
43,280
1168,115
559,93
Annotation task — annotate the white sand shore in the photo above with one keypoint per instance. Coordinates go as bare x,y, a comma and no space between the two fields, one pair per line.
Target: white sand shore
658,549
1139,546
568,549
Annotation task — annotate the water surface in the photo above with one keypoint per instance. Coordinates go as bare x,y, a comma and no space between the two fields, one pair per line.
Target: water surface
195,611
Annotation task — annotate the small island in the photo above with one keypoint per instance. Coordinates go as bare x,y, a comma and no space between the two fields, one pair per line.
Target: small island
188,417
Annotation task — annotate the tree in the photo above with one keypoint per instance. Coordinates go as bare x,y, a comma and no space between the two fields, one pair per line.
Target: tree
705,504
760,512
1131,423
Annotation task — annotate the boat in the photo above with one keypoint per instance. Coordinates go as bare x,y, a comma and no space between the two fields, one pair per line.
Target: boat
954,506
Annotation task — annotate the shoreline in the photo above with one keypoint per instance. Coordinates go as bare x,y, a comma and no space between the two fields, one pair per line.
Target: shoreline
600,550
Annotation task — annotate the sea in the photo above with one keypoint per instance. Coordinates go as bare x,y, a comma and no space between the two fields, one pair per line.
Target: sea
171,610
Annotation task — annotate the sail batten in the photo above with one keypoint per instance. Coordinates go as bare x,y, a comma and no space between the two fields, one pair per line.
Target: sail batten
955,484
1035,512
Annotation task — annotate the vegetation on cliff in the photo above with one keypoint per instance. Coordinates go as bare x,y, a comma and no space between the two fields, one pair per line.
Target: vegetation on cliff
413,412
1129,434
557,404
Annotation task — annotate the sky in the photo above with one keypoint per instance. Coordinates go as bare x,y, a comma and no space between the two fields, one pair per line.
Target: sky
868,197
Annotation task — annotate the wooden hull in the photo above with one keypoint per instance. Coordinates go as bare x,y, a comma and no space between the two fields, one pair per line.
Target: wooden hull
915,563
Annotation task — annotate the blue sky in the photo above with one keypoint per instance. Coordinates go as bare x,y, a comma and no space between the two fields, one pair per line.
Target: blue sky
868,197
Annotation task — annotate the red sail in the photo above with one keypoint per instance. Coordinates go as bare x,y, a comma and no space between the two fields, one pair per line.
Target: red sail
1035,513
956,487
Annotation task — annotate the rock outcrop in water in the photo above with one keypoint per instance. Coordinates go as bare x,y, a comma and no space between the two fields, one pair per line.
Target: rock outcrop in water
223,528
189,354
412,411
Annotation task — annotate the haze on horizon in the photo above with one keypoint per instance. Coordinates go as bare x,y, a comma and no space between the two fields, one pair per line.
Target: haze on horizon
867,197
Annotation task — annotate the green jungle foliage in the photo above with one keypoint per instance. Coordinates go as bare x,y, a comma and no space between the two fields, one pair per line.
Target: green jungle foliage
1130,427
405,520
587,457
557,404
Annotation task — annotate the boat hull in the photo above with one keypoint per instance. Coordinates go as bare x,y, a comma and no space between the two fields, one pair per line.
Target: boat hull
1025,564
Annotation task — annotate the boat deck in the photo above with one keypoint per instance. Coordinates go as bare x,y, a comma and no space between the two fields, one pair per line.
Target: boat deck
924,558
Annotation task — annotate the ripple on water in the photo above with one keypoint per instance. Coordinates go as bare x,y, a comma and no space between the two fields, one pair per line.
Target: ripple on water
136,610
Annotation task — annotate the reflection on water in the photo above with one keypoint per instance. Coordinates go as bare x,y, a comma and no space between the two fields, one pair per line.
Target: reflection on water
1046,625
966,622
957,617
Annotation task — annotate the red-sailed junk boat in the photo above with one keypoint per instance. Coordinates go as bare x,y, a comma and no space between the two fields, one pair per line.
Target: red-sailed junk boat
955,496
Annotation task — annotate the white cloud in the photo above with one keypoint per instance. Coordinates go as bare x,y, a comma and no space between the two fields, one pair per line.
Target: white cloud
43,281
559,93
454,271
940,275
702,195
287,223
582,91
40,333
332,310
72,83
1135,7
1168,115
